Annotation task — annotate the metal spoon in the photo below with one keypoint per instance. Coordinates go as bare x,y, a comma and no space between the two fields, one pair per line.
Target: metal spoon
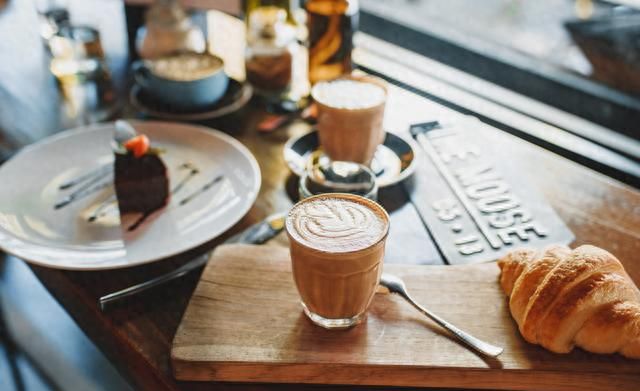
396,285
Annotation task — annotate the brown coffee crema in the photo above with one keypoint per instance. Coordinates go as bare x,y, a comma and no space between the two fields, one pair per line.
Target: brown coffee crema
337,246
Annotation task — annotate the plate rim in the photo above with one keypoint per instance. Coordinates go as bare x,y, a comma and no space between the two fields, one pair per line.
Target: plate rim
244,151
245,97
406,173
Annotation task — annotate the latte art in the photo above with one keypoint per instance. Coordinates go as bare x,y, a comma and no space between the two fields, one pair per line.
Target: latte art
336,224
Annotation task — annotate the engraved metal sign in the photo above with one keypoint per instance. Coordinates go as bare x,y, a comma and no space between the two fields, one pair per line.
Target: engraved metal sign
475,204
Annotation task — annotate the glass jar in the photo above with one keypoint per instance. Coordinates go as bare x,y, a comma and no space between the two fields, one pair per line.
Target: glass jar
271,45
168,29
331,25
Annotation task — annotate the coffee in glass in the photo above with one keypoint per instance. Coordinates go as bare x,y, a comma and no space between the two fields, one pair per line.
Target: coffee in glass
337,245
350,116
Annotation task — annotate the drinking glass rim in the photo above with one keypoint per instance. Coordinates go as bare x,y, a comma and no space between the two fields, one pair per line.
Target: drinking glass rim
339,195
361,78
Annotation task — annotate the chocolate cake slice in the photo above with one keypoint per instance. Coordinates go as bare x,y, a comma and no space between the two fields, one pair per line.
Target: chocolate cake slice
142,184
141,180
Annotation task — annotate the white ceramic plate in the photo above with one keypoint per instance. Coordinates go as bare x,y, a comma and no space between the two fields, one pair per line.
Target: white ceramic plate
32,229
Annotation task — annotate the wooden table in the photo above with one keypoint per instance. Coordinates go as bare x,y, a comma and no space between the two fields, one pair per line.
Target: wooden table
137,335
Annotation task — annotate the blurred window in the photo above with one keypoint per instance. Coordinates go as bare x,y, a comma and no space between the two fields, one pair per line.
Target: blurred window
587,48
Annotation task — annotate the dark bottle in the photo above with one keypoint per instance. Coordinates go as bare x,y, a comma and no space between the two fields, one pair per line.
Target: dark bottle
331,25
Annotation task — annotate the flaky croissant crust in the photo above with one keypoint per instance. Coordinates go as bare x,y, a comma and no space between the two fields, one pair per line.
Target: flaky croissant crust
561,298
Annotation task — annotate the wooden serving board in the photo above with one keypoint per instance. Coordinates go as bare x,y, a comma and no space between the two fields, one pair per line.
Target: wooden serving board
244,323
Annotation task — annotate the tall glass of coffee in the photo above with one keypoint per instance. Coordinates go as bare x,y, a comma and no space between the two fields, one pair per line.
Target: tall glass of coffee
350,117
337,245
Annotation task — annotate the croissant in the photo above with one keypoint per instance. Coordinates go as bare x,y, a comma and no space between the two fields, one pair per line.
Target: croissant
561,298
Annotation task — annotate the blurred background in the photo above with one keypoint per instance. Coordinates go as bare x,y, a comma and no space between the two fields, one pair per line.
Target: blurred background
590,38
582,56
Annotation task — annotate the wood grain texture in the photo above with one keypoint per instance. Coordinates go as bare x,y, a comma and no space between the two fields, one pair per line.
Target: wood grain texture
137,334
244,323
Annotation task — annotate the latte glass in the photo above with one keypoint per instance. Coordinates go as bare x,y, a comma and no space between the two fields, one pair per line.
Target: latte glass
350,116
337,245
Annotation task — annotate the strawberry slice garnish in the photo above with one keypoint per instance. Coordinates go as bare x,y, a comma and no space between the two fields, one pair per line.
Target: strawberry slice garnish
139,145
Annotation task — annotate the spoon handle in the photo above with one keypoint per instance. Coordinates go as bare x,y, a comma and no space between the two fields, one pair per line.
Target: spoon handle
471,341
